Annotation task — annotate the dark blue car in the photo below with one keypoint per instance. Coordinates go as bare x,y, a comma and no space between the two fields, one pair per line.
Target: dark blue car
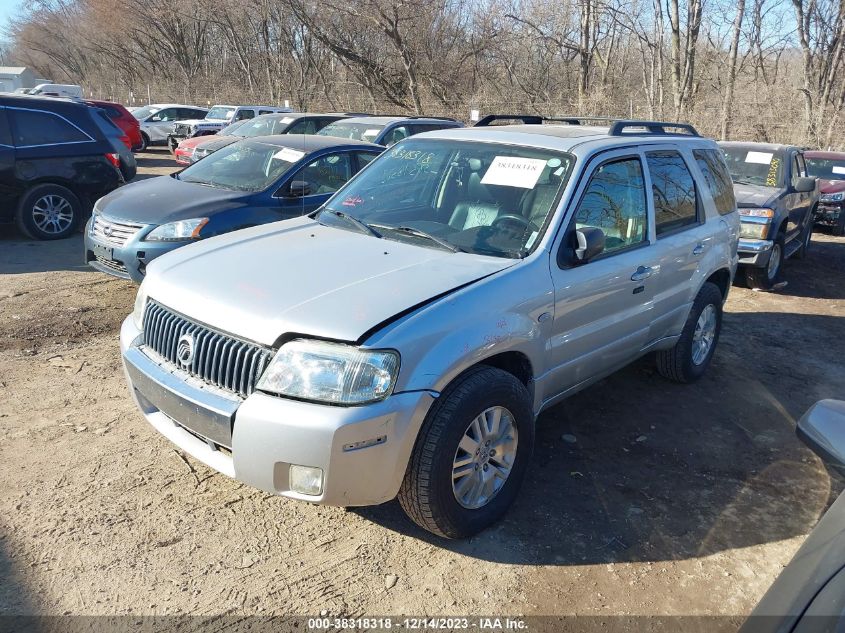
254,181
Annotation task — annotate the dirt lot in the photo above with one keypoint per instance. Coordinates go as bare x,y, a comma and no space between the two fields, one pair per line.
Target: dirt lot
672,500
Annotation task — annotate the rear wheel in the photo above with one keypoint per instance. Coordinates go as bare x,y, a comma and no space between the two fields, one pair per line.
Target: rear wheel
145,142
48,212
839,227
471,454
765,278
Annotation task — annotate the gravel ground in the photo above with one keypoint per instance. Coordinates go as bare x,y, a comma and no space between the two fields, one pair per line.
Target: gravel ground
644,497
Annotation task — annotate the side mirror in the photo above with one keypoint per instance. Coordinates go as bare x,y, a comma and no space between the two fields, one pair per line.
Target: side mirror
298,189
805,185
589,242
822,428
154,118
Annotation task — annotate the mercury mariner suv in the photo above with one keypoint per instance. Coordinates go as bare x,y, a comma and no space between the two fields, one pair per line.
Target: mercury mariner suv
402,340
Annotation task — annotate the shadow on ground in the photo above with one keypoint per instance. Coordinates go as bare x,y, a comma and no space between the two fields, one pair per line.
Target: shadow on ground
19,255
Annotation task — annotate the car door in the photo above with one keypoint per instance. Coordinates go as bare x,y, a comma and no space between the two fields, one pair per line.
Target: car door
9,187
603,308
160,124
798,204
323,176
681,237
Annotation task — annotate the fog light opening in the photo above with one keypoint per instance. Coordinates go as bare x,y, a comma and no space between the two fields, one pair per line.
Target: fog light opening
306,480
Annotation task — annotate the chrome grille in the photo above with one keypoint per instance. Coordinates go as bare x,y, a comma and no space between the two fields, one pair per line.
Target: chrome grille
111,232
112,264
181,129
218,359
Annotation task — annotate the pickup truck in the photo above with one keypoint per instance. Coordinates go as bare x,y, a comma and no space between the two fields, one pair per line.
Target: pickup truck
402,340
217,118
777,202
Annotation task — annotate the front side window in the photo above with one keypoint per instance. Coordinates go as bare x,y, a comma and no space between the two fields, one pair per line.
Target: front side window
718,179
326,174
260,126
355,131
827,168
752,166
674,191
168,114
395,135
242,166
303,126
245,114
35,127
797,172
615,202
484,198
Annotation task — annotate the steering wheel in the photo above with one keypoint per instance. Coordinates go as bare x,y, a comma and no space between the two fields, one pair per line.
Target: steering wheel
513,217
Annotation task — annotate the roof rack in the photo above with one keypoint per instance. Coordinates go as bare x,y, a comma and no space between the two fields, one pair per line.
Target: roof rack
651,127
618,127
437,118
527,119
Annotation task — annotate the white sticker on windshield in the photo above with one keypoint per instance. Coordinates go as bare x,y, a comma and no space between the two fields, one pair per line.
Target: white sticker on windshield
531,238
289,155
838,170
761,158
372,132
512,171
287,119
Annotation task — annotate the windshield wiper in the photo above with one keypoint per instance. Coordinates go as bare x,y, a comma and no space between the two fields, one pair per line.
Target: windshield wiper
742,181
410,230
354,221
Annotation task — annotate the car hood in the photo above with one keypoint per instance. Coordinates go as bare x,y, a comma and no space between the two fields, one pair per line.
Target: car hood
165,199
299,277
220,143
831,186
190,143
755,195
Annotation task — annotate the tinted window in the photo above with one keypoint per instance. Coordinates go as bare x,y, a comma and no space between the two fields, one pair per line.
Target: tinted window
615,202
395,135
327,174
797,172
106,125
365,158
718,179
673,189
168,114
265,112
244,114
303,126
33,127
430,127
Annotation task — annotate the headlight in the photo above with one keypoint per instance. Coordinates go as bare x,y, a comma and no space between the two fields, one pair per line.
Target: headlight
175,231
832,197
330,372
140,305
757,213
754,230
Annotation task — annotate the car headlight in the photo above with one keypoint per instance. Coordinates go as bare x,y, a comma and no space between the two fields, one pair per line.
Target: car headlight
754,230
330,372
832,197
175,231
140,306
756,212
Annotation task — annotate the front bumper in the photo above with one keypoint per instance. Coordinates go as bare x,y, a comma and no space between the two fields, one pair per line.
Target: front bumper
183,156
269,433
754,252
127,261
828,212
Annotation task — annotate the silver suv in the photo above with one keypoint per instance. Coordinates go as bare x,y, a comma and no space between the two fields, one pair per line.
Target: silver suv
403,339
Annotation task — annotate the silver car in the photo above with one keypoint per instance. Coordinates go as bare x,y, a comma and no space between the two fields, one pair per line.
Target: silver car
157,120
403,340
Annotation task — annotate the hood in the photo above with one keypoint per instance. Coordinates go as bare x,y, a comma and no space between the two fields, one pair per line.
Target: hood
190,143
755,195
298,276
831,186
219,143
165,199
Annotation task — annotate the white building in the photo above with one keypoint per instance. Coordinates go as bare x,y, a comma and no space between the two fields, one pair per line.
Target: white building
14,77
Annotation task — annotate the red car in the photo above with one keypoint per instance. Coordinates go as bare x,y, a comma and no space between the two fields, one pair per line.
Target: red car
123,119
185,149
829,168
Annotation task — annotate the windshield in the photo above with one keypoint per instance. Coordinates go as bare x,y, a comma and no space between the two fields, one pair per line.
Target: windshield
220,112
265,126
827,168
242,166
482,198
754,167
145,111
356,131
233,129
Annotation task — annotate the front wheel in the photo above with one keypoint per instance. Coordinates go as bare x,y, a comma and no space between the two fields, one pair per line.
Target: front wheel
48,212
145,142
471,455
839,227
766,278
688,360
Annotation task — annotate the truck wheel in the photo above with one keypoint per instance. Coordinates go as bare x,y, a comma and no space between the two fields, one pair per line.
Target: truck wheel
839,227
145,142
471,454
766,278
688,360
48,212
801,253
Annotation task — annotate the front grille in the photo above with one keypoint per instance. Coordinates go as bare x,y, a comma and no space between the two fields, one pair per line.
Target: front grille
180,129
110,263
117,233
218,359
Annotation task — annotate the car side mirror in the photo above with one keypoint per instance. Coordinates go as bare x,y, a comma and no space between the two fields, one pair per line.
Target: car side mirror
822,428
589,242
154,118
298,189
805,185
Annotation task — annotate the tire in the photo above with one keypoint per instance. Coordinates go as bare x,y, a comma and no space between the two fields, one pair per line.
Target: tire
766,278
683,363
839,227
428,495
43,202
806,239
145,142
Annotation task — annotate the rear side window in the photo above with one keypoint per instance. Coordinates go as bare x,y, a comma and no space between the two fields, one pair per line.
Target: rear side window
265,112
614,202
38,127
245,114
718,179
674,191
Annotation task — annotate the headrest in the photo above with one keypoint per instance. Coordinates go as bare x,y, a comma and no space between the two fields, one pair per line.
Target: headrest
474,164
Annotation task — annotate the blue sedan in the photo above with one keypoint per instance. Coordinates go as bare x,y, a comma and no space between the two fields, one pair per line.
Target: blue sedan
254,181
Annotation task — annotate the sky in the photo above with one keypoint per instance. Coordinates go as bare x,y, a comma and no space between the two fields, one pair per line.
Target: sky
8,8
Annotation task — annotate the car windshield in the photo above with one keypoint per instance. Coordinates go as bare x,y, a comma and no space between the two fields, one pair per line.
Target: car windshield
220,112
242,166
233,129
265,126
482,198
827,168
356,131
145,111
750,166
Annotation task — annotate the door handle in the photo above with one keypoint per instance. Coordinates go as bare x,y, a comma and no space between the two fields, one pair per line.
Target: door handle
643,272
699,249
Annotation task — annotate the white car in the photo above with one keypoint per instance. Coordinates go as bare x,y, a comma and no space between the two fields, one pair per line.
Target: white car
157,120
216,119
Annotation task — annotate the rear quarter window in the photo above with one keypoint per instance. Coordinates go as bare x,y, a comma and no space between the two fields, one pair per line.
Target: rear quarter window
718,179
39,127
675,199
